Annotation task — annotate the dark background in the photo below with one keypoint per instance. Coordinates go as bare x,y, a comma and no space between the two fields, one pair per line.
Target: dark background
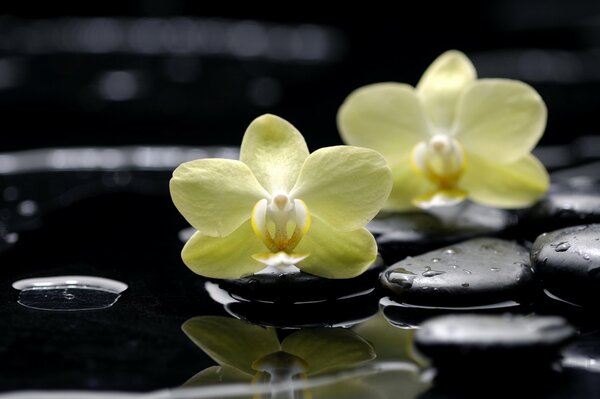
174,72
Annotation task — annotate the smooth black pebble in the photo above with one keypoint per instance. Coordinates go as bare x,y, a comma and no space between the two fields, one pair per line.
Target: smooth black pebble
461,343
482,271
408,234
570,202
568,263
300,287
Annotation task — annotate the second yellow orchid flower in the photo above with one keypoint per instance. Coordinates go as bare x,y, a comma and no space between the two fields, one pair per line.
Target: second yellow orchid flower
452,137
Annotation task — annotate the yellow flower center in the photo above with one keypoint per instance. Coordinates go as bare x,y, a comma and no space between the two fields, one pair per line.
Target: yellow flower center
441,160
280,222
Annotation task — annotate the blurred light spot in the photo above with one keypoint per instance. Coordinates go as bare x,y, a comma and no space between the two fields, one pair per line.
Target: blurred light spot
9,73
11,238
144,36
247,39
27,208
100,35
10,193
264,92
8,163
182,69
279,43
118,86
537,65
177,35
309,43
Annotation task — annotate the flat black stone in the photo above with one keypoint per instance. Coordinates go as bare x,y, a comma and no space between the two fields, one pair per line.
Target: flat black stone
568,263
572,201
300,287
477,272
408,234
458,343
328,313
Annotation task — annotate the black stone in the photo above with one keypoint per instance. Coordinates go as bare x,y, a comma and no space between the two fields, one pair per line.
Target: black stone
408,234
461,343
328,313
568,263
300,287
477,272
569,202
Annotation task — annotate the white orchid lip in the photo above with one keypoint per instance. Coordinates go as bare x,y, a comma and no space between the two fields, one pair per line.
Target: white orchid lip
280,222
441,159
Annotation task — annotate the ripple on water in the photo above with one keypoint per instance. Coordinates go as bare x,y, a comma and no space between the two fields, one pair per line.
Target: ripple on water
69,293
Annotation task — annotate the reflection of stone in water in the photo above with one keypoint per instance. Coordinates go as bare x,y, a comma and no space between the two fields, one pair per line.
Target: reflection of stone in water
69,293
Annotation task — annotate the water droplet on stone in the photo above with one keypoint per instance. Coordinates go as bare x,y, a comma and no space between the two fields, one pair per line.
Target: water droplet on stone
562,247
586,256
450,251
454,266
495,269
431,273
69,293
401,277
435,260
467,271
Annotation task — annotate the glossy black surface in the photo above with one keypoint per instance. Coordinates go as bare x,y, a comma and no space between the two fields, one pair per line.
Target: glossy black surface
130,232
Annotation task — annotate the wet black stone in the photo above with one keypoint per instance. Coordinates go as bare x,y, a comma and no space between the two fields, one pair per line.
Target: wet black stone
300,287
568,263
407,234
571,201
474,343
328,313
477,272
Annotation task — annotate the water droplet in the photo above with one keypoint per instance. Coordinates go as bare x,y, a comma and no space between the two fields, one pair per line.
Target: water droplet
454,266
435,260
465,285
586,256
431,273
424,288
450,251
495,269
467,271
401,277
562,247
68,293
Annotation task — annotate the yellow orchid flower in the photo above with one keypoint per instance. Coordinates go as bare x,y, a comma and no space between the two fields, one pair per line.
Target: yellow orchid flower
452,137
280,206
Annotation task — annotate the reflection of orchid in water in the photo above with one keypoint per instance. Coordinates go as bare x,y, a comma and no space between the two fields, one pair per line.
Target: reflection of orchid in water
250,353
